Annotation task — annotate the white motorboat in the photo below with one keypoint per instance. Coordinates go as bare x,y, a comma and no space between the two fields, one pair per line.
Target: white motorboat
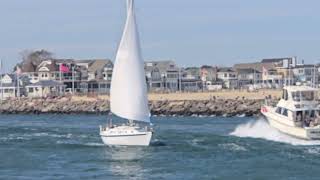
128,93
296,114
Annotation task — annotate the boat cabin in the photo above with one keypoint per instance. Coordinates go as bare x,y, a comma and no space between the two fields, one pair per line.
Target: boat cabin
299,103
299,96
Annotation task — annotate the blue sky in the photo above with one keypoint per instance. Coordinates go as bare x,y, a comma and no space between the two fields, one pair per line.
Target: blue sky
191,32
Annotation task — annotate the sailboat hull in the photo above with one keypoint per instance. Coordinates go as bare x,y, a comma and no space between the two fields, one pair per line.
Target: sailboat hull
126,136
129,140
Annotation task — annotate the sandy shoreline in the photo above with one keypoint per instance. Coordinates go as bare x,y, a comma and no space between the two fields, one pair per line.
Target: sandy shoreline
226,94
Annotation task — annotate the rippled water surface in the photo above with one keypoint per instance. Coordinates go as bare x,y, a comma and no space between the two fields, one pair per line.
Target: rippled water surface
69,147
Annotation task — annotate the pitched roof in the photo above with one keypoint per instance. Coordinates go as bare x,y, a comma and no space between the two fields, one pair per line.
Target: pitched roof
257,66
98,64
163,66
225,69
64,61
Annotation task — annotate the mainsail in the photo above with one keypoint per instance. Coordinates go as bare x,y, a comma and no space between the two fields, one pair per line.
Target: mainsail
128,93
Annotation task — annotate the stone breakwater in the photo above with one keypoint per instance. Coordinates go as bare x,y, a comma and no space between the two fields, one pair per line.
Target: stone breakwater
218,107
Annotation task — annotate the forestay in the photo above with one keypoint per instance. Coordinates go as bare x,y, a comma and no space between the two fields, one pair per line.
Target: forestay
128,93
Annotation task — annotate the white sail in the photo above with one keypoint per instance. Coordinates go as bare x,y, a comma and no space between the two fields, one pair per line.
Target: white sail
128,93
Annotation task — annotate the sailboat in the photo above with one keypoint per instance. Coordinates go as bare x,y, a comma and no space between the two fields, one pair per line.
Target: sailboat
128,92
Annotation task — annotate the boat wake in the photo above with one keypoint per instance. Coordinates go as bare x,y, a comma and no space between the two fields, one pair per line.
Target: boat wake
261,129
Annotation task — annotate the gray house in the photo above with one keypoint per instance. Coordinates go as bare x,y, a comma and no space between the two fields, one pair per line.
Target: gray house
248,77
169,75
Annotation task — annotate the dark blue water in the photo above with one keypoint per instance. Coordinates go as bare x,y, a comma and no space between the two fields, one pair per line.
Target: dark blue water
69,147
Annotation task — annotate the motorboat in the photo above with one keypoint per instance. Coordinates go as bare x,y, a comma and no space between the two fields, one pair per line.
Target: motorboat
296,113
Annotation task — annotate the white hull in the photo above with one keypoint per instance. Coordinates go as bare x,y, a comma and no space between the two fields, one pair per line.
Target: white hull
286,126
126,136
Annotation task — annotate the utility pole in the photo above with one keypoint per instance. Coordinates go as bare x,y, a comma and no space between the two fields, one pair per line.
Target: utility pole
314,76
289,76
18,85
180,79
254,78
72,80
60,75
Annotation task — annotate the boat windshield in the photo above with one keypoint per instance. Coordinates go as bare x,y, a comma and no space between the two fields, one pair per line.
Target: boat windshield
303,95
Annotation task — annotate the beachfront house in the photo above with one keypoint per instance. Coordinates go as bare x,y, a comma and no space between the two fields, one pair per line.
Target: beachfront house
77,75
272,71
271,78
306,73
191,80
154,78
208,76
45,88
10,87
168,71
98,76
228,77
249,77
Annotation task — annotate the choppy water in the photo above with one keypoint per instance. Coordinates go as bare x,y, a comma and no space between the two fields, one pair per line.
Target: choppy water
69,147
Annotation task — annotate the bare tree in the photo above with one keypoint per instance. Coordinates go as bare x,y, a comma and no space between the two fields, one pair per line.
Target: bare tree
32,58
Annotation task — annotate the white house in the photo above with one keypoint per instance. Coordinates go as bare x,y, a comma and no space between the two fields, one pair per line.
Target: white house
228,76
45,88
9,86
305,73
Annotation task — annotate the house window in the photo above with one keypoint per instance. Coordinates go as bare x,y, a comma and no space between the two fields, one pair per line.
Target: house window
285,112
278,110
285,95
30,90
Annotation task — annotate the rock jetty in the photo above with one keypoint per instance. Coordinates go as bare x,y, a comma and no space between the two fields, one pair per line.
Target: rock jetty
218,107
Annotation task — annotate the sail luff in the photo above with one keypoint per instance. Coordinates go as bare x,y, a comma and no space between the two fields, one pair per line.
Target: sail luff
128,93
